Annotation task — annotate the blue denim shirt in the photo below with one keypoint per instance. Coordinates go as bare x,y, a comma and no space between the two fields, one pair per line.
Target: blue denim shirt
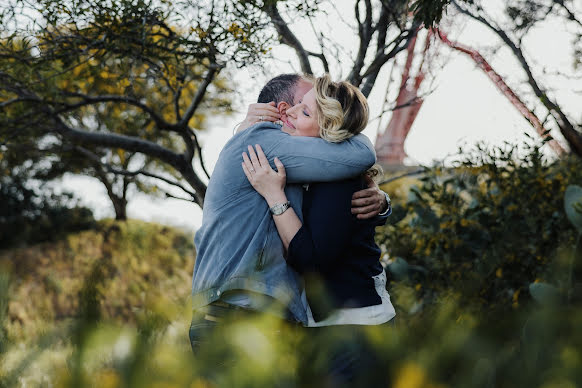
238,247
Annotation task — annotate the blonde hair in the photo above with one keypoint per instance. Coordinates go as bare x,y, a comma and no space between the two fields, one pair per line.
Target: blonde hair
342,109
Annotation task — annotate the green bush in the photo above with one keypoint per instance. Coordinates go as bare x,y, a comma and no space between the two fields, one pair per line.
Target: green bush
484,229
30,215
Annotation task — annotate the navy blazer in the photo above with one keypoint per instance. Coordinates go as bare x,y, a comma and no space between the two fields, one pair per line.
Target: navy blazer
334,251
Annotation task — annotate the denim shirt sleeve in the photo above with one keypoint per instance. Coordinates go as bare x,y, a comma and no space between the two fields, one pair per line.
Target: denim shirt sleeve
310,159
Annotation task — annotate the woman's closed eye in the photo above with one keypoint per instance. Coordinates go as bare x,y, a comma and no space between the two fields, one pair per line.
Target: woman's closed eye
305,113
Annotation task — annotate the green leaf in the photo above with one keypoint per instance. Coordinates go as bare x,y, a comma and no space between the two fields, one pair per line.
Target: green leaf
544,293
572,205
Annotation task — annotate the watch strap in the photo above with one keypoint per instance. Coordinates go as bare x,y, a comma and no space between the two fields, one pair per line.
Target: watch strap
279,208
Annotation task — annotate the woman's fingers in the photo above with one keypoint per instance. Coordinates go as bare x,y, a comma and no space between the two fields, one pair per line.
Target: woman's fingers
254,159
247,162
262,158
280,168
247,173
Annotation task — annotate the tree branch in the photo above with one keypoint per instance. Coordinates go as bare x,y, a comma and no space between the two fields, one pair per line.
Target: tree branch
168,195
113,140
571,15
572,136
415,172
365,34
89,100
287,37
322,58
210,74
199,151
118,171
381,58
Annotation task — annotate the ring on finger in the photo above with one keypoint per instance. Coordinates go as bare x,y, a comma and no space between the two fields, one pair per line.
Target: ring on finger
253,170
261,118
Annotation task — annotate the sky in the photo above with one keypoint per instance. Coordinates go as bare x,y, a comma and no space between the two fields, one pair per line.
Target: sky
464,106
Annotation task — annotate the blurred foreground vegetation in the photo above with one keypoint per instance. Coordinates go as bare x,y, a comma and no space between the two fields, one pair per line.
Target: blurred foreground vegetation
484,261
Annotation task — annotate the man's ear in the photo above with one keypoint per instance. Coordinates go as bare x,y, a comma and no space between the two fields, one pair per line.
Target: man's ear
282,108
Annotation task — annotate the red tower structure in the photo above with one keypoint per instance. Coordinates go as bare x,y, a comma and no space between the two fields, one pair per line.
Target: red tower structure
390,143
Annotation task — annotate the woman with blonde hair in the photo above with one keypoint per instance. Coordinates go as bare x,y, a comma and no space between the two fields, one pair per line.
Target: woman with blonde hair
335,251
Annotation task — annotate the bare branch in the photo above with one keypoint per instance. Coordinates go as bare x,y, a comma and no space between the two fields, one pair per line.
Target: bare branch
570,14
415,172
411,101
567,129
199,151
400,43
113,140
119,171
89,100
287,37
321,56
168,195
210,74
365,34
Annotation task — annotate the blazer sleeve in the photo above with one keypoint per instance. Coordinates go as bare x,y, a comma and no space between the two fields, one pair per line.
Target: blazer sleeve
326,231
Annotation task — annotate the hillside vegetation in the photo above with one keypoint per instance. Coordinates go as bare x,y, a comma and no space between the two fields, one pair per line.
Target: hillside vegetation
131,264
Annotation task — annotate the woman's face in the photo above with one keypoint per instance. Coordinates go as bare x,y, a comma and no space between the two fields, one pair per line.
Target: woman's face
301,119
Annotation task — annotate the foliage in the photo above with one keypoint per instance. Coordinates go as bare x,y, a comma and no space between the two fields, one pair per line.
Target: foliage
122,260
30,215
109,79
485,229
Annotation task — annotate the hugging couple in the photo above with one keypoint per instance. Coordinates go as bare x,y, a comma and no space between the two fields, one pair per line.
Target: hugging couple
290,214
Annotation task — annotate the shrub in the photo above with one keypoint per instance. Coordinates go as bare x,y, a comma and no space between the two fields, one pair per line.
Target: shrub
30,215
484,229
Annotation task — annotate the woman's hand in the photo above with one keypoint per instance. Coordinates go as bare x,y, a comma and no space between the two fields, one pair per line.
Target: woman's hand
268,182
259,112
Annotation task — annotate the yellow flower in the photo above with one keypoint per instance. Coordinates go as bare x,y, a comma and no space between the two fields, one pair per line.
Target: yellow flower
499,273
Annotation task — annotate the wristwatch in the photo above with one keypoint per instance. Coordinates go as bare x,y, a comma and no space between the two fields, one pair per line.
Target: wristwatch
280,208
387,207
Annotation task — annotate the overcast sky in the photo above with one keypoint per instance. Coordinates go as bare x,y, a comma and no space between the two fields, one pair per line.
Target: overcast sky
464,107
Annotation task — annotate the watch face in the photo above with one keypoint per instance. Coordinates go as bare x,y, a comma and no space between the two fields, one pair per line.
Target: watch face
279,208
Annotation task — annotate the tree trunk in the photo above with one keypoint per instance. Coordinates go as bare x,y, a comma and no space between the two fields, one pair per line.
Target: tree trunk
120,206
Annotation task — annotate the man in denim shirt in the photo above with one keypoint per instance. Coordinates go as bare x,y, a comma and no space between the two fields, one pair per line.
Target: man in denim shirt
240,258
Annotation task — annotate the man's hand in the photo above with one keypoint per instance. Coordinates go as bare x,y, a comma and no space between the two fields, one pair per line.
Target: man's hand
259,112
370,202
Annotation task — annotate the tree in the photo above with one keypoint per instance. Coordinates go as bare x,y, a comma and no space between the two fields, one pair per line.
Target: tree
72,73
520,19
100,59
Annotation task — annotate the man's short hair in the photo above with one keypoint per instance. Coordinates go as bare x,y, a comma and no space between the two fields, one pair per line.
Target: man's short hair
281,88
